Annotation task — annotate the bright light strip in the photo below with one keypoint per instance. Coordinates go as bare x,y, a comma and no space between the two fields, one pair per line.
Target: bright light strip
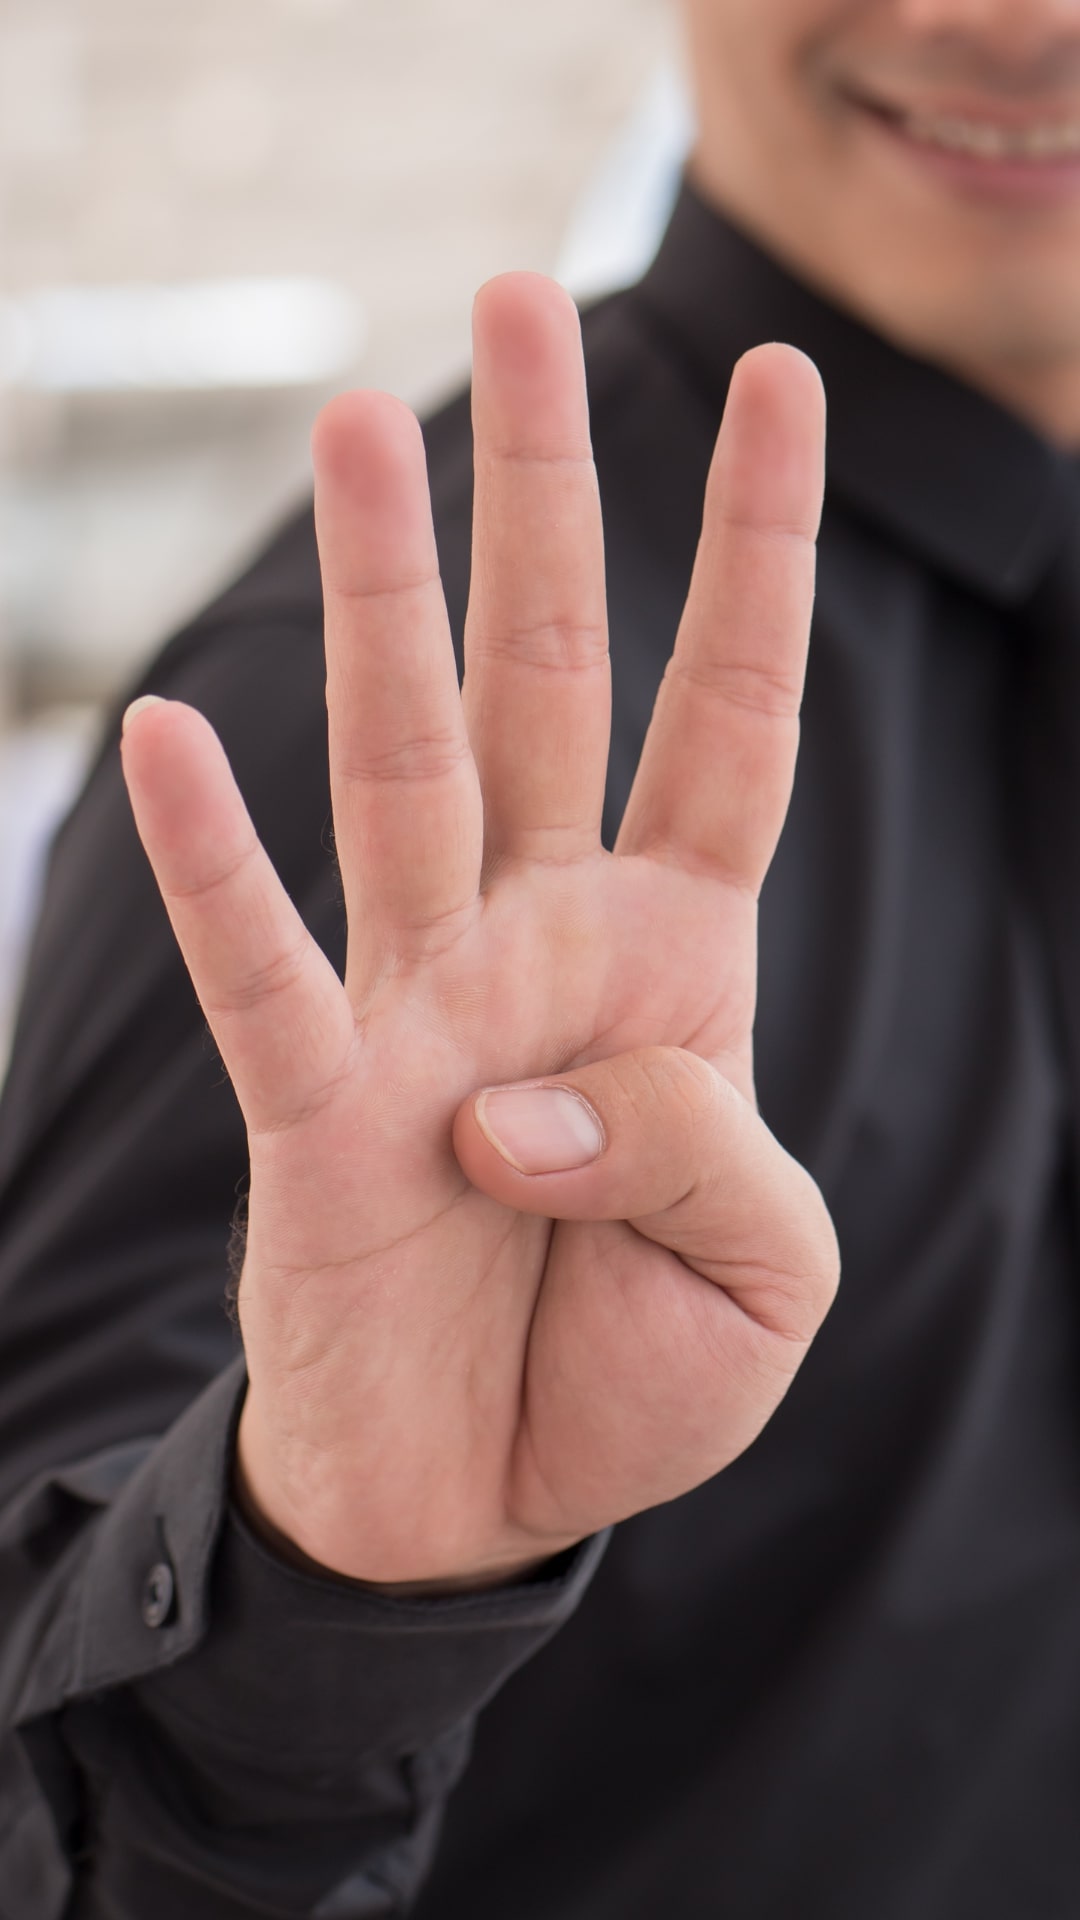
201,336
618,222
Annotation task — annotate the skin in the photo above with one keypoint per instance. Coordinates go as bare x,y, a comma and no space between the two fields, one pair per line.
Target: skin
979,273
457,1367
463,1359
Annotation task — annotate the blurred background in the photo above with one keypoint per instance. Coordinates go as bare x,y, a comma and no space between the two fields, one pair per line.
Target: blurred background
214,215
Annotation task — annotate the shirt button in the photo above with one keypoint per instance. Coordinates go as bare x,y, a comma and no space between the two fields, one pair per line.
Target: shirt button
158,1594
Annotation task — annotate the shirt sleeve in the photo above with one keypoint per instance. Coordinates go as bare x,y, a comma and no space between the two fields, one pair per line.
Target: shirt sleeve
212,1730
188,1724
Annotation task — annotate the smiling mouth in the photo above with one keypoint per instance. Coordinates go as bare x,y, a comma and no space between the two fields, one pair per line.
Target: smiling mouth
1040,143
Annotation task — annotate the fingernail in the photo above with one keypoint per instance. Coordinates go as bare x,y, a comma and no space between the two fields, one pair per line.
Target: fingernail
144,700
540,1129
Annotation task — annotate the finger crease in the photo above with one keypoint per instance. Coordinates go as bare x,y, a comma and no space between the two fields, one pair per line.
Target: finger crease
393,590
774,696
412,760
199,888
550,647
534,457
278,976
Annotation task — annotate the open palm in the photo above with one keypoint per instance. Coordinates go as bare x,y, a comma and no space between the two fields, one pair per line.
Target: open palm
463,1359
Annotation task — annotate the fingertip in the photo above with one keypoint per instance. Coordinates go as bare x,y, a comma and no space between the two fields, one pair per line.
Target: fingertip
778,374
529,374
165,747
357,429
133,710
770,455
372,507
524,300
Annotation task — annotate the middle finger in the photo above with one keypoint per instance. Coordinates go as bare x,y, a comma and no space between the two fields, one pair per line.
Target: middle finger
537,685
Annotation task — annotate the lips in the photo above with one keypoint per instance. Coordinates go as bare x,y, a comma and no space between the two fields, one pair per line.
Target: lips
986,141
1045,142
1012,158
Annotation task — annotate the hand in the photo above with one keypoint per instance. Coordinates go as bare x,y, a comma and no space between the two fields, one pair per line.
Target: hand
462,1361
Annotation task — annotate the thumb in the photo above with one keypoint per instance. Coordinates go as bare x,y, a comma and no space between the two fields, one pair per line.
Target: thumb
657,1137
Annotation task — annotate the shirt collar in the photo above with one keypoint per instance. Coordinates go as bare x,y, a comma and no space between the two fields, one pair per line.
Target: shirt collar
942,467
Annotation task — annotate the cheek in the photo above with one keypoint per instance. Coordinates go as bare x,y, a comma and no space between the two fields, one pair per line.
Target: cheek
765,109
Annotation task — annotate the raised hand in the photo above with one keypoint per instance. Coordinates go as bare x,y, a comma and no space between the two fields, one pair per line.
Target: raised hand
463,1359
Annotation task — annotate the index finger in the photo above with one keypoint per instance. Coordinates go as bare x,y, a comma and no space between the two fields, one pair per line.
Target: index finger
715,776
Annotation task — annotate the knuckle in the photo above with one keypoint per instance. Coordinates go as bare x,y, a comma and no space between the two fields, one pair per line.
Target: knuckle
311,1106
812,1259
681,1080
678,1105
774,694
572,460
790,1302
667,1096
823,1248
797,535
274,978
214,881
556,645
422,757
372,593
812,1285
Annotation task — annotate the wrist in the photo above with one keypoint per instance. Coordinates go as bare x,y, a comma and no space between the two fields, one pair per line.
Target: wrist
266,1530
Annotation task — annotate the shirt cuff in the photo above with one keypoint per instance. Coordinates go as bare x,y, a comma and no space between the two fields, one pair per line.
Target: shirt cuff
178,1598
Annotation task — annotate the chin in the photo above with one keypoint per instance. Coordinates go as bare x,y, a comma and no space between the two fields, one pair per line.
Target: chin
995,324
951,298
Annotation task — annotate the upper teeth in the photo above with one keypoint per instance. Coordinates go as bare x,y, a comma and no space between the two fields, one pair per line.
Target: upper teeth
995,143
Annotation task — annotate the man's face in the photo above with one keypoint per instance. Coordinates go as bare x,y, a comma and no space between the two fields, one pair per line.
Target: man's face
919,160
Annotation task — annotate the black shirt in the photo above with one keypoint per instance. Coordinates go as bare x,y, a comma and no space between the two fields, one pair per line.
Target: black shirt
840,1681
